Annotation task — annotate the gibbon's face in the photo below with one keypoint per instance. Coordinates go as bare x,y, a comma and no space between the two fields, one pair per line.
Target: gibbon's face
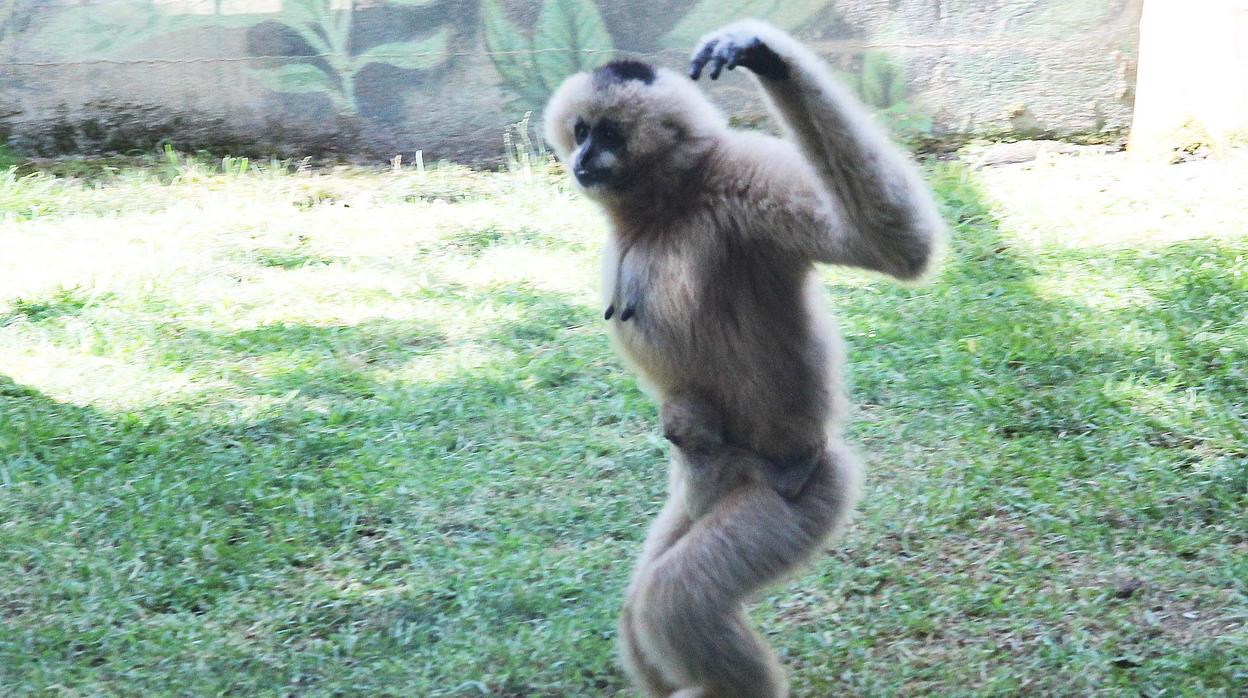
626,125
601,153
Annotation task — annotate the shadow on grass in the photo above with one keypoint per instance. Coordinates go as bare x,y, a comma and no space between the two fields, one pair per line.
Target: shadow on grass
1050,375
450,494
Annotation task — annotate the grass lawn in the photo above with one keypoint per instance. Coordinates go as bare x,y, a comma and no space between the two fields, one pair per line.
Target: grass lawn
360,432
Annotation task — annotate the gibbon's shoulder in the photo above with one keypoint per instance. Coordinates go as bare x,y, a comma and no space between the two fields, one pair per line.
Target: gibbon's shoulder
758,170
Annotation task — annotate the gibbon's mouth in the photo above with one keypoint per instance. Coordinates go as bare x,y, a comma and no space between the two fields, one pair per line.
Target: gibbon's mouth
592,178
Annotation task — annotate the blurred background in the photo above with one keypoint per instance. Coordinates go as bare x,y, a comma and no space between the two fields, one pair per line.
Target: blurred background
376,78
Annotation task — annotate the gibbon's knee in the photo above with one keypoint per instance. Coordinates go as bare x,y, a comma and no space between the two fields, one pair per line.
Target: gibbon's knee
748,539
836,487
671,524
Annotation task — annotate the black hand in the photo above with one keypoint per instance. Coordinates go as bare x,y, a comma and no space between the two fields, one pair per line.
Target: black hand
754,54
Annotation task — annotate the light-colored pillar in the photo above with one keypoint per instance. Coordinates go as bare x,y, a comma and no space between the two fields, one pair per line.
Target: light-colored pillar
1193,74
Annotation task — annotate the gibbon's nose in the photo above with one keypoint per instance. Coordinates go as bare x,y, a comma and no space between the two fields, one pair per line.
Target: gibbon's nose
590,168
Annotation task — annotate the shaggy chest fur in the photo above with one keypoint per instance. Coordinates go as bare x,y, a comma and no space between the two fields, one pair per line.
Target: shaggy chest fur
704,312
666,288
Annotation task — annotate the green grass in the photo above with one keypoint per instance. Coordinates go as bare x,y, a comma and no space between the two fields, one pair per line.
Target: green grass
354,432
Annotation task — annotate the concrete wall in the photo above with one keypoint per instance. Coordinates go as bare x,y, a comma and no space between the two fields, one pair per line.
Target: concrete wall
381,77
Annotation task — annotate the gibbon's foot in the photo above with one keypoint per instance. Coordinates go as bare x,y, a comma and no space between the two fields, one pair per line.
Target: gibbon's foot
693,426
788,476
729,51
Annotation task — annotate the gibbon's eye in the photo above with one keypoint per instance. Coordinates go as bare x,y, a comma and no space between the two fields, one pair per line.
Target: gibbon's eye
580,131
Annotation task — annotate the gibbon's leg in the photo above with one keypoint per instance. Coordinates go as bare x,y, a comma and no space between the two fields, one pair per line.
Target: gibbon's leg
671,523
639,669
884,217
691,491
687,612
668,527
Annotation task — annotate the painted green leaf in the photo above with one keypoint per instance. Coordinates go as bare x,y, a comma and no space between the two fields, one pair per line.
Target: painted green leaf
408,55
570,37
7,10
306,11
296,78
709,14
116,29
14,17
99,31
511,51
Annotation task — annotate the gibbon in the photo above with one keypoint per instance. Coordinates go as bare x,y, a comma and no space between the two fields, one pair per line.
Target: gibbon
710,296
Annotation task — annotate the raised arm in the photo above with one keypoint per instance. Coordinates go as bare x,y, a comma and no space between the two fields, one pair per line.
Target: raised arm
880,215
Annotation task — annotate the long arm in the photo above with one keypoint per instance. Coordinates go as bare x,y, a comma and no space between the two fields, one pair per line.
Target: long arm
878,213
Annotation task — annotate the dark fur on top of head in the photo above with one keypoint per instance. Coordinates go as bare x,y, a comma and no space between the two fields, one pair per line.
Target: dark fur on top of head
623,71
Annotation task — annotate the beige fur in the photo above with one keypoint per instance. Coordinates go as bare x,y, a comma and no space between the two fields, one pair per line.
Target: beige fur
714,234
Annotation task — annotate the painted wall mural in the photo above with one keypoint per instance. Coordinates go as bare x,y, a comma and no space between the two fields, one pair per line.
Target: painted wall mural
570,36
381,77
334,63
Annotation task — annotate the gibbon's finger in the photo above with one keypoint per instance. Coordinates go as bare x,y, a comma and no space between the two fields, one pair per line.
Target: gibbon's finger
628,313
739,55
723,54
717,66
700,59
610,311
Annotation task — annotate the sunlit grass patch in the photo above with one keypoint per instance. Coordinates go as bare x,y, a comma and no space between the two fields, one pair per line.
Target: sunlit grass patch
1116,202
